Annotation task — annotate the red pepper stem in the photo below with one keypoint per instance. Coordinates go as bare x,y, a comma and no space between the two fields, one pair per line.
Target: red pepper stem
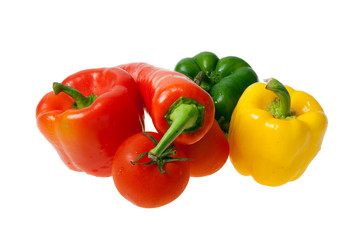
80,101
184,116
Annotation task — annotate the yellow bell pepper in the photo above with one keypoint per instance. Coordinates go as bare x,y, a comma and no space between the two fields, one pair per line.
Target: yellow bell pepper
272,138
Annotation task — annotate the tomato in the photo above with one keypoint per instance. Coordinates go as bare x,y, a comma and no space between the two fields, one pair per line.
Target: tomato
209,154
145,185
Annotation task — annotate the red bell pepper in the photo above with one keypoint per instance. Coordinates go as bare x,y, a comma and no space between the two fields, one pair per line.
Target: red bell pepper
208,154
86,131
180,110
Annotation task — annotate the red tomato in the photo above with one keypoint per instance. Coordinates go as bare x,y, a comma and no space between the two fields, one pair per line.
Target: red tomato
144,185
209,154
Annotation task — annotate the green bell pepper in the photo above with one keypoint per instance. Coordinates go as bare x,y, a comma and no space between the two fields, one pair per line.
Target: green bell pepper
224,79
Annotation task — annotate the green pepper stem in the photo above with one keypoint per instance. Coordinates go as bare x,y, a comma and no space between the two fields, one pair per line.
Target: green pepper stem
202,80
185,116
80,101
281,107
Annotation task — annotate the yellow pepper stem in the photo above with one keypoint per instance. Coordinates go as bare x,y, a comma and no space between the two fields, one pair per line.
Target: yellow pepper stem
281,106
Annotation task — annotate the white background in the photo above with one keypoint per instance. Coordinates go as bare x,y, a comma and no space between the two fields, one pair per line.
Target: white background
312,46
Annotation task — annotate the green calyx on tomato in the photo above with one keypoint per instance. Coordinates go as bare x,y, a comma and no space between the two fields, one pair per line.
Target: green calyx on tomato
224,79
184,115
163,158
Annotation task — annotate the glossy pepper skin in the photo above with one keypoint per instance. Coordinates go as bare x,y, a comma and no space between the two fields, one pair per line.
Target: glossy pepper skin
87,138
161,88
225,79
275,150
208,154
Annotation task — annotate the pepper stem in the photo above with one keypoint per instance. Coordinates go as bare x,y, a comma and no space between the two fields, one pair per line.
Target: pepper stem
80,101
202,80
281,107
185,115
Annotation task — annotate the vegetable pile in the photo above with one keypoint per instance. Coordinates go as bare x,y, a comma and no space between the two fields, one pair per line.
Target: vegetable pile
206,110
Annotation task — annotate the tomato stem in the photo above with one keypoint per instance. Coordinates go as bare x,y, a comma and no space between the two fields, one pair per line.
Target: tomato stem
162,159
80,101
